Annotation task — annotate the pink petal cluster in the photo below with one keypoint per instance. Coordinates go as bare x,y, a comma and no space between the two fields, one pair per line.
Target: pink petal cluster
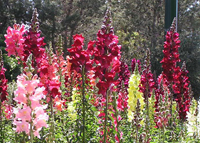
15,41
48,69
30,108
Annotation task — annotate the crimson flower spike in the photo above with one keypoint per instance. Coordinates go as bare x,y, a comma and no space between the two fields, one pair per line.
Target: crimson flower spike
171,54
3,81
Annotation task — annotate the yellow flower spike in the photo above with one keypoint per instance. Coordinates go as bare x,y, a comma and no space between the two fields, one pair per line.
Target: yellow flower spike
72,105
134,94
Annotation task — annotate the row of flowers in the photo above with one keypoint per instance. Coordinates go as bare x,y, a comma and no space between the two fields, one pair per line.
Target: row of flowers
93,76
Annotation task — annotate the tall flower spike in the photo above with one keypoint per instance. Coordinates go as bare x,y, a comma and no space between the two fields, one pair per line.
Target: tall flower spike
33,42
30,115
181,88
171,55
147,80
107,58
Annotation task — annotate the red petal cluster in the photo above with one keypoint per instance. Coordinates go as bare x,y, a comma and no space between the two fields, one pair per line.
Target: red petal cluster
161,104
106,57
181,90
3,84
171,55
123,79
147,81
173,74
33,42
79,57
48,77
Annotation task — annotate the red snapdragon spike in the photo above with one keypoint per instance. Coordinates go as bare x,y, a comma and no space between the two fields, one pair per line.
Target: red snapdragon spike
171,55
3,85
124,76
3,81
48,68
173,74
147,81
107,56
33,42
123,80
181,89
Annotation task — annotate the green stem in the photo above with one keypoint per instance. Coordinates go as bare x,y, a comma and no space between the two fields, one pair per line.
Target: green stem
31,130
147,119
116,116
106,118
83,102
1,139
136,134
171,104
24,136
163,132
52,120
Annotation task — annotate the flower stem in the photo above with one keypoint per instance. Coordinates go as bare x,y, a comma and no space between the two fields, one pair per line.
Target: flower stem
31,130
116,116
147,119
52,120
83,102
163,132
1,139
106,118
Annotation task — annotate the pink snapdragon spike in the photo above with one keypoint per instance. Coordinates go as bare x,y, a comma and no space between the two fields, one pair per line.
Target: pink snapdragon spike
30,99
15,41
